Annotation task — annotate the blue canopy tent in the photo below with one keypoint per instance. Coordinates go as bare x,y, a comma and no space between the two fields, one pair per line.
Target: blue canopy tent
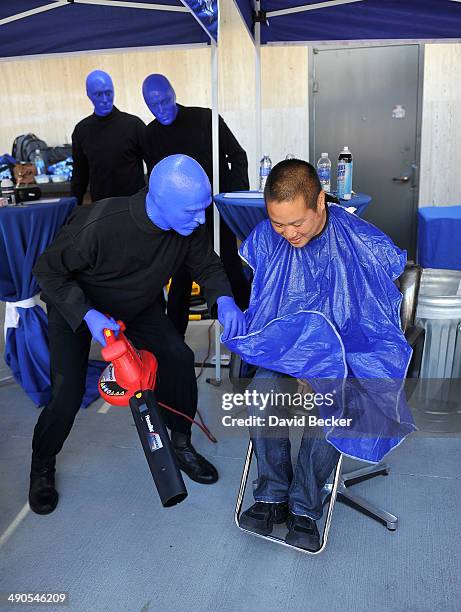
38,27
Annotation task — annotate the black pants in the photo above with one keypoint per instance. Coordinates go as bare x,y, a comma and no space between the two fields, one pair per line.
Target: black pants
180,289
151,330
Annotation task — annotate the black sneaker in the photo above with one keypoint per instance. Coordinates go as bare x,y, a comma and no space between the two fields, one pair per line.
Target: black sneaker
261,517
302,532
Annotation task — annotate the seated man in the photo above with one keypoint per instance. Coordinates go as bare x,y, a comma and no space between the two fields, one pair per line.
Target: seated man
324,307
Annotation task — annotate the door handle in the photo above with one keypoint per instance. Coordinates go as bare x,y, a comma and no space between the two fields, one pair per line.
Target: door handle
400,179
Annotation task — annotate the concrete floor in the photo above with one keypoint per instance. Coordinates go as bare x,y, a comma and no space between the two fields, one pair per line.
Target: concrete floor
112,546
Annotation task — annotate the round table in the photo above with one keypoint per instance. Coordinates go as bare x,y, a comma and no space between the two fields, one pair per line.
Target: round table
25,232
242,214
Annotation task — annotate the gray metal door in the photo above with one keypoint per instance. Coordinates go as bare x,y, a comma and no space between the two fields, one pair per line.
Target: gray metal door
368,99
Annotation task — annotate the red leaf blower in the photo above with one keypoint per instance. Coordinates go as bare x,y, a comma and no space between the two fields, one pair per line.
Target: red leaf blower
130,379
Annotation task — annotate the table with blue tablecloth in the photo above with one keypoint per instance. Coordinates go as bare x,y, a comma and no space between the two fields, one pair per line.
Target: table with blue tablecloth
25,232
439,229
242,214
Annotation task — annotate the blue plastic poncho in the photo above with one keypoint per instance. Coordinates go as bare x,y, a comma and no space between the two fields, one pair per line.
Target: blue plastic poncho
329,312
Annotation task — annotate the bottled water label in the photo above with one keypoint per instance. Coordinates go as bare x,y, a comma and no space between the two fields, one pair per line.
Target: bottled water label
264,171
265,167
324,175
40,165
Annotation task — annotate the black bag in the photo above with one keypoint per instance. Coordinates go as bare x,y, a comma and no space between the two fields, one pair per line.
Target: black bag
57,154
24,147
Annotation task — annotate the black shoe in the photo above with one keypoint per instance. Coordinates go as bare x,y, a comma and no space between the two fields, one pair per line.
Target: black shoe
43,497
261,517
189,460
302,532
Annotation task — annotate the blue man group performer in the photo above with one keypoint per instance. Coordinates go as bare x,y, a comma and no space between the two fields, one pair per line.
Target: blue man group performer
187,130
107,146
115,257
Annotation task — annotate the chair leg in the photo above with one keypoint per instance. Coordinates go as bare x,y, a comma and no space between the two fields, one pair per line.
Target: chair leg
361,504
326,528
364,505
365,472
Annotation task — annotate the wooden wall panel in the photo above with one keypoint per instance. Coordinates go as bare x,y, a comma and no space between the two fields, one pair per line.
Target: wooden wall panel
440,176
47,95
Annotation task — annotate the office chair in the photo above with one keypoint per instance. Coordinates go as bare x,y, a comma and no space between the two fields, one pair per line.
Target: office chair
338,488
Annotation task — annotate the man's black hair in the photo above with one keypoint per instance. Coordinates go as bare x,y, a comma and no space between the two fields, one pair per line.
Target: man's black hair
290,178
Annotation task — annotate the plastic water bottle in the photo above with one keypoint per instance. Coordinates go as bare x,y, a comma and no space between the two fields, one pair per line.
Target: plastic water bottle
265,166
39,162
324,172
345,163
7,189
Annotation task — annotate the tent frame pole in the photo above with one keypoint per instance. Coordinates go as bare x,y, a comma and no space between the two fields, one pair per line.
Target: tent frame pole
311,7
258,92
215,186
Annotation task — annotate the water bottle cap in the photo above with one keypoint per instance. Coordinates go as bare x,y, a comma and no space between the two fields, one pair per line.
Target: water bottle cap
324,154
346,149
37,150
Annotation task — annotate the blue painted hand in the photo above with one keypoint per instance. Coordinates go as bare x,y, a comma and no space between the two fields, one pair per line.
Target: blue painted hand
97,323
231,317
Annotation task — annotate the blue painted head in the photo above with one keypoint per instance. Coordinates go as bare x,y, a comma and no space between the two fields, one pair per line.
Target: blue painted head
160,98
100,90
179,192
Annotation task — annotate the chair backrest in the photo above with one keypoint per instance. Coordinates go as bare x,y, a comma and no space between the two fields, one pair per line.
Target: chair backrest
409,283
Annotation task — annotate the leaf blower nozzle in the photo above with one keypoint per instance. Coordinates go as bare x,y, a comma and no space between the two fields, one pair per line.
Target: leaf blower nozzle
129,379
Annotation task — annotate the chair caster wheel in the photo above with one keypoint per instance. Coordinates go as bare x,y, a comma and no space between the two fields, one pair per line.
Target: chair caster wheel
391,526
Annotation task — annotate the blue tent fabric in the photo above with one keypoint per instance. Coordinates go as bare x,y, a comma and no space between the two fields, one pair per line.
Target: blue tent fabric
330,313
83,27
365,20
207,12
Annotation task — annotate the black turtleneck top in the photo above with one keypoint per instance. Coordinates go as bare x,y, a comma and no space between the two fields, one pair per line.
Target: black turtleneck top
190,134
108,153
110,256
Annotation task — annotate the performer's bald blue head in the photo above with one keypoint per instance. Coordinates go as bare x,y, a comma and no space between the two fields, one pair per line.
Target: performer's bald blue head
100,90
179,192
160,98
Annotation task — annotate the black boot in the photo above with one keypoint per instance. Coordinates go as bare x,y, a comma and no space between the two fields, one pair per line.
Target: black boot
190,462
262,516
43,497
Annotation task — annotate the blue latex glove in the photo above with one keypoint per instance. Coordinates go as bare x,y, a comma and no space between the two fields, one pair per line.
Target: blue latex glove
97,322
231,317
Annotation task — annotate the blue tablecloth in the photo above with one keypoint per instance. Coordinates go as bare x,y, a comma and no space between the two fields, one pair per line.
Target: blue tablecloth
25,232
243,214
439,231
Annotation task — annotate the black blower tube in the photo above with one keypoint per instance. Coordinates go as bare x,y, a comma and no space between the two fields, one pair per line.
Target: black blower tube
157,448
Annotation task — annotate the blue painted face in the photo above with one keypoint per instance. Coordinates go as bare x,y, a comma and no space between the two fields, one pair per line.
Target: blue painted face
160,98
100,90
179,193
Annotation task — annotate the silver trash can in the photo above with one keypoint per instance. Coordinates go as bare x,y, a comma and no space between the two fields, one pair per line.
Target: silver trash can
438,393
439,312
